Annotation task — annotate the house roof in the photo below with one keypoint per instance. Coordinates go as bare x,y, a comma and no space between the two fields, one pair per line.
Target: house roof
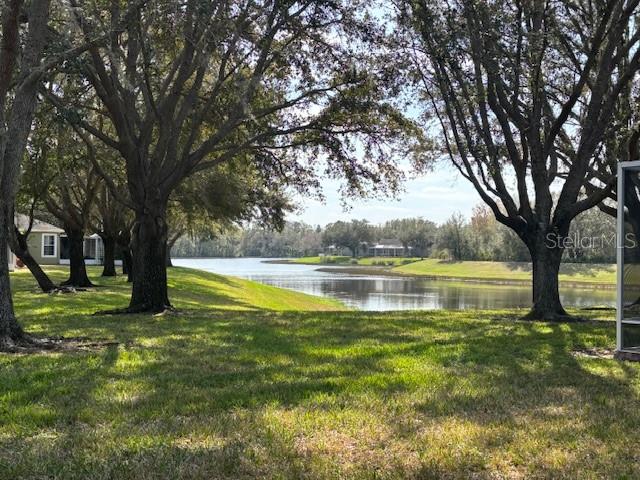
22,222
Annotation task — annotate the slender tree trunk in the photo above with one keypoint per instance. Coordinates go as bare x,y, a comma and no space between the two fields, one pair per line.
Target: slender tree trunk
77,269
127,264
169,262
124,243
20,247
126,260
10,330
172,242
546,257
109,268
149,245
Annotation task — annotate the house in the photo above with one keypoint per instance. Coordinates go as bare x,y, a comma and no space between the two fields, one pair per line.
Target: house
93,250
43,241
49,245
389,247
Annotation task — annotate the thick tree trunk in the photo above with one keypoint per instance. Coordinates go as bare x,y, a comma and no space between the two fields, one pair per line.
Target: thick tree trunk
20,247
149,245
109,268
10,330
546,256
77,269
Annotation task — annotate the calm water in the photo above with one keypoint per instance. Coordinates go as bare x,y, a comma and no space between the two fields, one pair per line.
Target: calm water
371,292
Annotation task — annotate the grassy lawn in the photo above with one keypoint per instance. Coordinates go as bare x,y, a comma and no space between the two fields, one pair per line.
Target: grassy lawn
518,271
236,385
328,259
365,261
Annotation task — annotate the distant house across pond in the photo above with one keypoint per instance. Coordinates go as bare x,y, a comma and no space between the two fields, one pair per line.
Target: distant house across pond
389,247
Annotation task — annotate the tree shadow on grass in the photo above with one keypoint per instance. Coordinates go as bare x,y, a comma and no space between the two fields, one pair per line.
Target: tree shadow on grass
194,372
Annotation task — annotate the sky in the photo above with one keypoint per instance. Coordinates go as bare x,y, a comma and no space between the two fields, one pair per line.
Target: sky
435,196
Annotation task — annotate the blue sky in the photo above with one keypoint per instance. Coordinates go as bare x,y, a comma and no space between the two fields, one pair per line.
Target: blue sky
436,195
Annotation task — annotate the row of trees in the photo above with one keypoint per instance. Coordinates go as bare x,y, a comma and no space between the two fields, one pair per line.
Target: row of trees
154,97
481,237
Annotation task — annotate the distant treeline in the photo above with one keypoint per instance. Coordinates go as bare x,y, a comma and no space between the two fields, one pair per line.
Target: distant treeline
480,237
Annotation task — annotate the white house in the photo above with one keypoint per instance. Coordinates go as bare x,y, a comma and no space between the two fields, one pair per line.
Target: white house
389,247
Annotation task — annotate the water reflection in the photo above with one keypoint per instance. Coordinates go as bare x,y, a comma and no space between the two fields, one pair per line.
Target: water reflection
371,292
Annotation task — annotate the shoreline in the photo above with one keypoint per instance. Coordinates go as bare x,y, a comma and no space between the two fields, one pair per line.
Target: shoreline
493,281
388,271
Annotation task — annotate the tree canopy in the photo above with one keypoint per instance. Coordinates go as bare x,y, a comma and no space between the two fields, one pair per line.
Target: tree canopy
522,96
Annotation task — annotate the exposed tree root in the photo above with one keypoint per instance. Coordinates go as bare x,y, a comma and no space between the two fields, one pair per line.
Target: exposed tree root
593,352
66,289
558,317
69,283
137,309
27,344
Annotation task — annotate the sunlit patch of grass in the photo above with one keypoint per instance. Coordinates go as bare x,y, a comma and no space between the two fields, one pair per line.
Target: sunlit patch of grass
570,273
237,386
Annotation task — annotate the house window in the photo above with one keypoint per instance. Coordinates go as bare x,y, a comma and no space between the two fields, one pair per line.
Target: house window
49,245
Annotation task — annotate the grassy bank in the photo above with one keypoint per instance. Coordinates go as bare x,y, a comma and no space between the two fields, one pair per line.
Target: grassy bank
516,272
508,271
365,261
190,289
231,388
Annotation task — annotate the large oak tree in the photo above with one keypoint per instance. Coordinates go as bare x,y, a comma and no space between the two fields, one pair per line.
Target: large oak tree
29,49
188,86
523,95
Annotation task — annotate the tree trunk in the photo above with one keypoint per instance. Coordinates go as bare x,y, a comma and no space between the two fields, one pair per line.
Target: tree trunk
10,330
171,242
127,264
77,268
149,245
546,257
109,268
20,247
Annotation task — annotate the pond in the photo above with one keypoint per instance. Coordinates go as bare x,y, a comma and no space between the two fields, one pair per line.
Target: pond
379,292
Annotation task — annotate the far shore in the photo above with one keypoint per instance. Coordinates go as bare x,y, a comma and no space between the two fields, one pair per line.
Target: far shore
577,275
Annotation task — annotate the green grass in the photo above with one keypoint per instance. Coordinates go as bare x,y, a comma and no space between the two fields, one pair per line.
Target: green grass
508,271
328,259
365,261
228,389
190,289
